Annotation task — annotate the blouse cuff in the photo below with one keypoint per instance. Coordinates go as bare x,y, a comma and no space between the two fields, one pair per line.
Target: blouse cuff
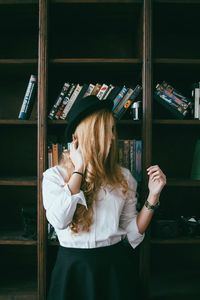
80,196
133,234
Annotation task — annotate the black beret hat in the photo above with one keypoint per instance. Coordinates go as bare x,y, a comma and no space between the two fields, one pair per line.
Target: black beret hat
82,109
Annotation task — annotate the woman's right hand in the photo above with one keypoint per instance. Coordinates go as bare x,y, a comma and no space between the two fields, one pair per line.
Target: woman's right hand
76,155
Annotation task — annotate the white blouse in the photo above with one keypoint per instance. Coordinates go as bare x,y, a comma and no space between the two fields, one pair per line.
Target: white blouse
114,216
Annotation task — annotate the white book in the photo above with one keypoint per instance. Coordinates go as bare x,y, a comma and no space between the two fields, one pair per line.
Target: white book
110,88
196,103
71,101
102,91
89,90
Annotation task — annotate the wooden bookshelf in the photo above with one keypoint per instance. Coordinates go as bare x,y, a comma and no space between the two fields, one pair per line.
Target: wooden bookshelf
138,41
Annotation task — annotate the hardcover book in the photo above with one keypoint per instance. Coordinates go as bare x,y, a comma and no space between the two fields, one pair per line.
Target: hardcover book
28,101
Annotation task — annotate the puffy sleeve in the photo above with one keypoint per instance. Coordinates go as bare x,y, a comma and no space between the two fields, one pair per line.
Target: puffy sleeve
58,201
129,214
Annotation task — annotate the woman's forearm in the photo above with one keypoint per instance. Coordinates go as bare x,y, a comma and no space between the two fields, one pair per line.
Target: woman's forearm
75,180
145,215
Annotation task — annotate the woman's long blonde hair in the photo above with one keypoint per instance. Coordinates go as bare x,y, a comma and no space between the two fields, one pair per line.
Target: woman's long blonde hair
98,147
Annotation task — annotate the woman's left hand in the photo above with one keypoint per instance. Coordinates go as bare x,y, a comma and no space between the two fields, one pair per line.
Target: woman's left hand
157,180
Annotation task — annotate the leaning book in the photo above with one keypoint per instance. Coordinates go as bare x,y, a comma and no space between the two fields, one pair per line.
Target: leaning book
29,97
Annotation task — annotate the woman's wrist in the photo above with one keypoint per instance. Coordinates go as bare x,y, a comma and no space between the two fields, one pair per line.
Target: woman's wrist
153,199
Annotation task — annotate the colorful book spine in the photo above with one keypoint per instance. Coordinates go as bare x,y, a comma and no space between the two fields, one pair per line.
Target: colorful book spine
71,101
28,100
102,91
65,101
119,97
110,88
59,100
96,89
138,160
127,101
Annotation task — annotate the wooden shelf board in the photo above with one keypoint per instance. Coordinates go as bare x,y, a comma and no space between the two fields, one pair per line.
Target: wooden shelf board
176,122
18,181
14,237
19,1
178,1
176,61
176,241
18,122
64,122
18,61
174,284
97,1
95,61
21,289
183,182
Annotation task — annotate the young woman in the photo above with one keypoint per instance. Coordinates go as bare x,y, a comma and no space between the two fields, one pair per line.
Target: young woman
91,202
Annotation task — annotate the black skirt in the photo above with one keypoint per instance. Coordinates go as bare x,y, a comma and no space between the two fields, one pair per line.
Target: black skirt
105,273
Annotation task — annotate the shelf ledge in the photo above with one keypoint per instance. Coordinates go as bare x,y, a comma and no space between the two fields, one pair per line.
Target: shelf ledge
95,61
176,241
18,181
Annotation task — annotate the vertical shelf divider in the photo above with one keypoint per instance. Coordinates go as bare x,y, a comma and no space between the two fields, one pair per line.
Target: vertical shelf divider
146,134
42,100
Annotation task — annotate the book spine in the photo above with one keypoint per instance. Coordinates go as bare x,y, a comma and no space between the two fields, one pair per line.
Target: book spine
59,100
102,91
125,98
71,102
175,92
27,103
110,88
50,156
82,92
132,158
196,103
65,101
96,89
120,112
119,97
55,154
89,90
138,160
120,152
170,92
126,154
167,102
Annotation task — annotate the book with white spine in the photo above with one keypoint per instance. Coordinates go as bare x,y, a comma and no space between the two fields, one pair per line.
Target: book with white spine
59,100
71,101
89,90
102,91
110,88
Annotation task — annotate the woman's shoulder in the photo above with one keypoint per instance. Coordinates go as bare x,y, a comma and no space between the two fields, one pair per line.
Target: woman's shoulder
128,176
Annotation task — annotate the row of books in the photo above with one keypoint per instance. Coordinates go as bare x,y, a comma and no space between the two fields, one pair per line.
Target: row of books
129,155
54,153
174,101
122,96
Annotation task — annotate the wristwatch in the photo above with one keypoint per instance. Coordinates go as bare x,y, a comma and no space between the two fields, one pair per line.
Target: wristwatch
150,206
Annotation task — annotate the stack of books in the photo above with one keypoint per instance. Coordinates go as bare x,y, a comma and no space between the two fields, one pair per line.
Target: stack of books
179,105
122,96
